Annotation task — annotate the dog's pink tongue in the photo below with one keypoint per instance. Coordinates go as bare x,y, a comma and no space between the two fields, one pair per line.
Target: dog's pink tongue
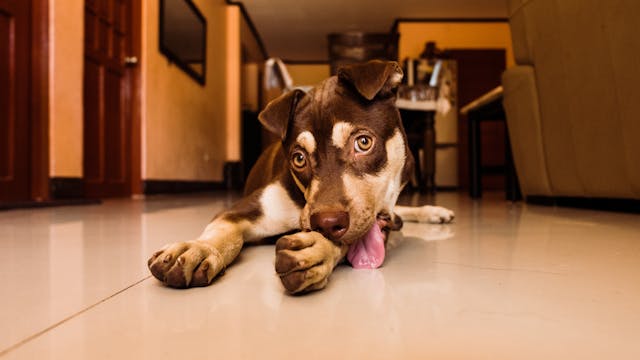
368,252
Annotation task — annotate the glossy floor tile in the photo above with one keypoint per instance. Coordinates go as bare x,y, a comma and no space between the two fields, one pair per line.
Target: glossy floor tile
505,281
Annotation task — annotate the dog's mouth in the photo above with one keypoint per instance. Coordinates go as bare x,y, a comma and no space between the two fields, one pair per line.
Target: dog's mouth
368,252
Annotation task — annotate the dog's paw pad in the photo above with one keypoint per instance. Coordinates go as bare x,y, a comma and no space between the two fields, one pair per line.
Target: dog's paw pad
437,215
186,264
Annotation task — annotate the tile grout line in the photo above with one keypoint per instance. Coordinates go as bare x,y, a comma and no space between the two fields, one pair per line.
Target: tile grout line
498,268
70,317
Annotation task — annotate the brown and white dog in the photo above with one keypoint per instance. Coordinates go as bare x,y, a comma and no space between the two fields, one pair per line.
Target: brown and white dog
329,187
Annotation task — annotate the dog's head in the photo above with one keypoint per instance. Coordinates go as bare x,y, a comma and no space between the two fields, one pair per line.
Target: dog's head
347,152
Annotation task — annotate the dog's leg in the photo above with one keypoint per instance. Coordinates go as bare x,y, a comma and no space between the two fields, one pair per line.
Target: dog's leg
266,212
305,260
426,214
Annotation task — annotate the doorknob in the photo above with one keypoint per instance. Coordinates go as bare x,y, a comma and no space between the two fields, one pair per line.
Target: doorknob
131,60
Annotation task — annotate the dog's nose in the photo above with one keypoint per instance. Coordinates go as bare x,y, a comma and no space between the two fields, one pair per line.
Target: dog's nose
331,224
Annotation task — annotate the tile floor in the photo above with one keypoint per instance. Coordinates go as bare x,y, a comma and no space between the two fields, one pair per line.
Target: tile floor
505,281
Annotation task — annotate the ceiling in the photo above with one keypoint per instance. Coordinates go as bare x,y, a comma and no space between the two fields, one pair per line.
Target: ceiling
296,30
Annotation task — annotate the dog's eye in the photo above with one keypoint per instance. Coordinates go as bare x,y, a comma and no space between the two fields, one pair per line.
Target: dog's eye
299,160
363,143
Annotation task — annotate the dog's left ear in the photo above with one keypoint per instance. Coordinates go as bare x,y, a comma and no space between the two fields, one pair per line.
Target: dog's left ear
373,77
279,112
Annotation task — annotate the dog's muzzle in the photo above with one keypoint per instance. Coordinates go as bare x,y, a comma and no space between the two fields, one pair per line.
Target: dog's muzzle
332,224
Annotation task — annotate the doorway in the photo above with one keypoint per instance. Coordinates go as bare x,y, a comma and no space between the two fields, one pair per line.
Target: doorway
480,70
111,117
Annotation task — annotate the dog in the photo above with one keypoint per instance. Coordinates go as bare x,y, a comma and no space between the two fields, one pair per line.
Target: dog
328,188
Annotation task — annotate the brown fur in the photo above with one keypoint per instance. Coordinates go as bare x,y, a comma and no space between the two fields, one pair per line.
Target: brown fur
341,181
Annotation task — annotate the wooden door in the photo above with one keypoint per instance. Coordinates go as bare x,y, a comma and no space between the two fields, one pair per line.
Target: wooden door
15,46
107,96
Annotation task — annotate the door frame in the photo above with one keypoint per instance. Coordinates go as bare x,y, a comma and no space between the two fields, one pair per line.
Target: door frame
39,102
135,103
39,128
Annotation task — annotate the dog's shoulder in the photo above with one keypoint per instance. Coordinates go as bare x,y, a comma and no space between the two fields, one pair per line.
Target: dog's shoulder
272,168
267,169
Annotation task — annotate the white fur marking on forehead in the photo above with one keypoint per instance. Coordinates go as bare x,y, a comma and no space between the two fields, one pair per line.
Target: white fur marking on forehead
341,132
307,141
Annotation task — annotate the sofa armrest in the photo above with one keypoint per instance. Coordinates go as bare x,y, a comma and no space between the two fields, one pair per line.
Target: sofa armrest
523,122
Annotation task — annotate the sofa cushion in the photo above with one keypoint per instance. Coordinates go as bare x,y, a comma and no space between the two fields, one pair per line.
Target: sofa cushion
523,122
586,60
619,21
521,25
579,103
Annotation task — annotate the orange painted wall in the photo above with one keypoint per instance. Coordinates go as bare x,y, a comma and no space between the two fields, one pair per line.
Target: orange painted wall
471,35
308,74
183,123
66,24
233,65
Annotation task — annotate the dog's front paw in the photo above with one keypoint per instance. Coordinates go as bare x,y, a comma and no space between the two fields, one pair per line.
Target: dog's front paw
305,260
186,264
435,215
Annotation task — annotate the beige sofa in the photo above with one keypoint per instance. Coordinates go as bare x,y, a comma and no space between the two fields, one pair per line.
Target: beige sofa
573,100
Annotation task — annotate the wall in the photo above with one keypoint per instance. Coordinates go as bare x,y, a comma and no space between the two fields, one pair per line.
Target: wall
233,68
183,123
464,35
250,89
65,88
308,74
252,58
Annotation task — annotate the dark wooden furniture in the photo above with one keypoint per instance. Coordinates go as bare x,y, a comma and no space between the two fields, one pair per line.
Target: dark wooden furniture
488,108
421,134
478,71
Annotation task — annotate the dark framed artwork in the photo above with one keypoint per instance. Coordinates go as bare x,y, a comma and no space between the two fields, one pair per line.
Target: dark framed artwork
183,37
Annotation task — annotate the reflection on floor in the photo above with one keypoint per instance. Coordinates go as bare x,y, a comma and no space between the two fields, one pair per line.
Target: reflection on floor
504,281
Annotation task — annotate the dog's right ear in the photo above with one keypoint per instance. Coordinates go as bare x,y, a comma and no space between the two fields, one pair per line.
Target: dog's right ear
279,112
373,77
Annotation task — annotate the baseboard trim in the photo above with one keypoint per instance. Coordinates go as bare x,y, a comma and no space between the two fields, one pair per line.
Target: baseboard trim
66,188
48,203
448,188
607,204
153,187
